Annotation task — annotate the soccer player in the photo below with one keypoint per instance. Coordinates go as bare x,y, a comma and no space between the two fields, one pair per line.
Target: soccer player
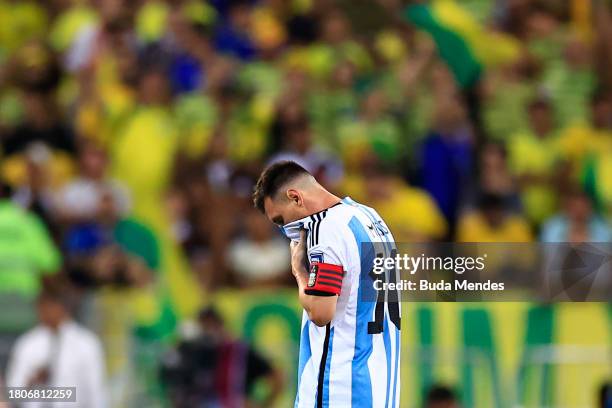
350,336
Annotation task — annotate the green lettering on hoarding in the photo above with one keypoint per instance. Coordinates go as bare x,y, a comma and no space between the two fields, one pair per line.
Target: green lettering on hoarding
425,338
539,332
479,352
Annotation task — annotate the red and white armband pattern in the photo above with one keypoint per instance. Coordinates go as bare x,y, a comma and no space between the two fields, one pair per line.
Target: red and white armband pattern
324,279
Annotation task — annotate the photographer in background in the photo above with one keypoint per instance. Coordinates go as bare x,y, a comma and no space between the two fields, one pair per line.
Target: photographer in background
59,352
441,396
213,369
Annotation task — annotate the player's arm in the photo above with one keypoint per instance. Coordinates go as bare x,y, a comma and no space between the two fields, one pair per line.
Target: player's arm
319,300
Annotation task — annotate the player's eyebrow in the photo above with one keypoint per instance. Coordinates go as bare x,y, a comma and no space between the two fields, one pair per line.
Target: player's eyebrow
278,220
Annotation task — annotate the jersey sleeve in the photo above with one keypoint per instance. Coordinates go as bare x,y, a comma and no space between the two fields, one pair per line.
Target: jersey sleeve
327,260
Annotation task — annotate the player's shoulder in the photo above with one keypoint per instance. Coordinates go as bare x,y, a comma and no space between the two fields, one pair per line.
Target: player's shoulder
328,224
336,220
338,215
352,208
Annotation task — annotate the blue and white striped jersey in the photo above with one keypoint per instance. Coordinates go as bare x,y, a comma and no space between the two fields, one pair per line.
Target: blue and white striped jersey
355,360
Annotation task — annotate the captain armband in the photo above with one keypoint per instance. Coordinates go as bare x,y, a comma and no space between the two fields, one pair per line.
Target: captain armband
324,279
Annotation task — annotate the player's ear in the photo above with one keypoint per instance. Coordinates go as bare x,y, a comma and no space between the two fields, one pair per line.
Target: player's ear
294,196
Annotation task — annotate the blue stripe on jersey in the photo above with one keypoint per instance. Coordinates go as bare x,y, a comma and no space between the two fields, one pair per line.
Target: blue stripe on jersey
305,354
328,369
387,341
360,374
397,349
388,247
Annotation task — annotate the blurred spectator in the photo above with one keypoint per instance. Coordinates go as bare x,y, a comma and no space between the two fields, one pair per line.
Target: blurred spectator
149,131
333,103
261,255
111,249
577,223
218,167
37,148
79,199
492,222
597,170
587,142
495,178
506,93
213,369
233,35
58,352
37,74
28,257
22,22
534,161
440,396
42,122
447,158
187,68
605,396
96,43
71,18
204,218
298,147
35,191
375,129
410,212
570,80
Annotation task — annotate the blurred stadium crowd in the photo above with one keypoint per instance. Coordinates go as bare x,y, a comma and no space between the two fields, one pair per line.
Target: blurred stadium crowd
132,131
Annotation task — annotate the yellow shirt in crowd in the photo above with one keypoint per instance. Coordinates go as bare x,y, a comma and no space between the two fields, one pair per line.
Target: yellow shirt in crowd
533,156
411,213
474,228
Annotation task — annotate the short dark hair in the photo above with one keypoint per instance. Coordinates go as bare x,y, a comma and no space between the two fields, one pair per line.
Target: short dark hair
439,393
273,178
210,313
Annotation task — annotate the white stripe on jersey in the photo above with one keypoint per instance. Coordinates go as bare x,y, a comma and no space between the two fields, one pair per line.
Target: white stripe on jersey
361,368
